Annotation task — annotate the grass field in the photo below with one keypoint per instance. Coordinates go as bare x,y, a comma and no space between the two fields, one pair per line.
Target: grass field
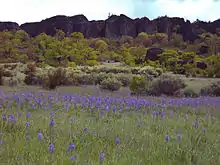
50,128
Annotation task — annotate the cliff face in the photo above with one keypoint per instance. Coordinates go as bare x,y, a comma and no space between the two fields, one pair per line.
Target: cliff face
114,26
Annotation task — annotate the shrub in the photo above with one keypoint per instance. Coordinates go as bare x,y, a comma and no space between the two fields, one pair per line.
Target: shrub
102,76
111,84
13,82
188,92
91,62
114,69
31,79
86,79
135,70
159,71
167,84
139,85
7,73
147,70
72,64
211,90
31,68
55,78
125,79
41,65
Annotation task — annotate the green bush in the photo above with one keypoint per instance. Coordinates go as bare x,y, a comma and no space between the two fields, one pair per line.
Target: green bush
41,65
211,90
125,79
147,70
115,70
111,84
12,82
139,85
159,71
72,64
101,76
188,92
31,79
7,73
56,78
86,79
91,62
167,84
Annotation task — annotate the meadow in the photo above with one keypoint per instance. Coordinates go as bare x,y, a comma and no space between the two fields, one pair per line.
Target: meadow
57,128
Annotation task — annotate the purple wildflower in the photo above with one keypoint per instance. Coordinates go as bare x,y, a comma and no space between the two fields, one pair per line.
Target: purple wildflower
207,116
27,124
51,148
28,137
102,155
4,117
162,114
179,136
1,142
117,140
51,122
40,136
71,147
28,115
72,158
85,129
167,138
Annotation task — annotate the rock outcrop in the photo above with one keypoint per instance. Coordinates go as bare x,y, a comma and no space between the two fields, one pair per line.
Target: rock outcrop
153,54
9,26
115,26
201,65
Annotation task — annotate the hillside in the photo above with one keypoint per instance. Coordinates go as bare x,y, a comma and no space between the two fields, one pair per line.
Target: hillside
172,44
115,26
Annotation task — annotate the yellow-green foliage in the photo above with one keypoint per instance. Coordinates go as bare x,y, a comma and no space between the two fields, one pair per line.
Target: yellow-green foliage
74,50
167,84
111,84
139,85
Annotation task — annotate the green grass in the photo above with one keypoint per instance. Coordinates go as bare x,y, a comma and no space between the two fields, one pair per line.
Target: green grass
142,138
197,83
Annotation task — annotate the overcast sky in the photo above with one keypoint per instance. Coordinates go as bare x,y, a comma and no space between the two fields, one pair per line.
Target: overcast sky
22,11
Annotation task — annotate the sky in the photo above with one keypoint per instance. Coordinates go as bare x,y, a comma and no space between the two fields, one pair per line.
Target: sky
22,11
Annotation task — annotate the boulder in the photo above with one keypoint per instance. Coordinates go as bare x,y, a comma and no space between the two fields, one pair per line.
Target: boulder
152,54
203,49
201,65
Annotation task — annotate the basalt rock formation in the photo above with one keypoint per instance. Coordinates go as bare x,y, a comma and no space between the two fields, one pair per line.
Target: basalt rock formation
115,26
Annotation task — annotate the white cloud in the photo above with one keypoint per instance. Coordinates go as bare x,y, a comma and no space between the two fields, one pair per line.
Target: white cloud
190,9
22,11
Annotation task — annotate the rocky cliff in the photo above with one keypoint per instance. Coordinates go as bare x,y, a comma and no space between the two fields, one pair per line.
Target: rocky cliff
115,26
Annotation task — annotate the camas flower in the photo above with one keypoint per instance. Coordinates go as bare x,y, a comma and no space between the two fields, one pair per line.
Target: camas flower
40,136
71,147
51,148
102,155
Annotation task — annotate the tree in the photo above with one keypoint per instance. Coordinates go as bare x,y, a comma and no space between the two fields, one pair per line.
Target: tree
60,35
143,39
139,85
77,36
138,53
